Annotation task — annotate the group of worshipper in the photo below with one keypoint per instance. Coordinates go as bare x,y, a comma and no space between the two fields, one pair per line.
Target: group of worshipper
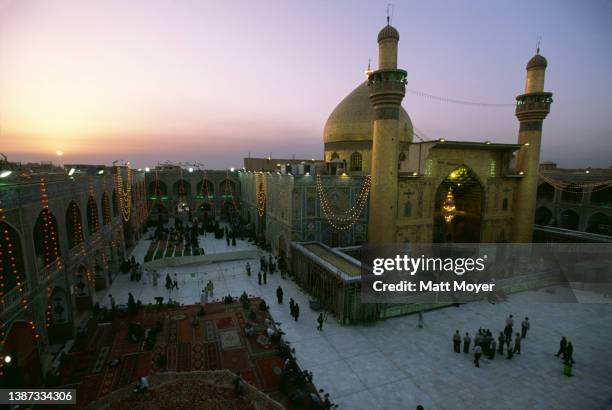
294,309
297,383
566,351
181,235
487,344
171,283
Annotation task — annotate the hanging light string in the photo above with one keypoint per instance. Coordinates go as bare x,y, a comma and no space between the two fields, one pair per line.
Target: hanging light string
124,194
228,190
260,191
92,207
346,219
8,260
50,245
456,101
106,209
576,186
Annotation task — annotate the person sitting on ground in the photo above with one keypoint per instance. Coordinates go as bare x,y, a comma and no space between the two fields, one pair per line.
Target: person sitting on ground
263,306
249,330
238,385
142,385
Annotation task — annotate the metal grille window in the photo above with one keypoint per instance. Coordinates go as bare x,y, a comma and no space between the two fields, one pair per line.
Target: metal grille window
356,161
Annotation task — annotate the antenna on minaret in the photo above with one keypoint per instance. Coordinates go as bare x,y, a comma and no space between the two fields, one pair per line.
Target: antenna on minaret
389,13
538,43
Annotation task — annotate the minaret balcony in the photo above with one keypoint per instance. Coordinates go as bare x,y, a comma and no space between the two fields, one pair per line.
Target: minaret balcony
533,106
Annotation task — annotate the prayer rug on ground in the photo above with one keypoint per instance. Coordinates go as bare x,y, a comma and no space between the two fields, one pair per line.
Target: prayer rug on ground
230,339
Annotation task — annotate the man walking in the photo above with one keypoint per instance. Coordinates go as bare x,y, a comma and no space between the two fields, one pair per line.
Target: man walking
492,349
279,295
477,354
259,278
517,343
524,327
320,321
296,312
562,347
420,319
265,277
248,269
457,342
466,343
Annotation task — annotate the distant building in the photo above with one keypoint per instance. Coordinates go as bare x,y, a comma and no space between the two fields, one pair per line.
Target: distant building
575,199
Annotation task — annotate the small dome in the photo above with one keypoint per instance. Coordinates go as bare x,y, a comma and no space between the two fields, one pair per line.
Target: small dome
388,32
352,119
537,61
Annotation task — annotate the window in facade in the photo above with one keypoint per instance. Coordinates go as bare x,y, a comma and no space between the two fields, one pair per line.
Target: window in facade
356,161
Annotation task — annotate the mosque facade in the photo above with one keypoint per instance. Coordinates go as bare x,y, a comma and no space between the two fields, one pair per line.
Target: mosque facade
376,185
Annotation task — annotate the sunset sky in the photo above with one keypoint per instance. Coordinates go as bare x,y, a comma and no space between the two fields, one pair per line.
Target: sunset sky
212,81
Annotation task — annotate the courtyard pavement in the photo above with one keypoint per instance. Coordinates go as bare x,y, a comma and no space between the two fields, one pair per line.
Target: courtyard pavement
393,364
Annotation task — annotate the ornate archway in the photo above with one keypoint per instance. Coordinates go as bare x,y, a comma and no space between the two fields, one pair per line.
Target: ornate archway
74,225
458,207
93,219
11,260
46,238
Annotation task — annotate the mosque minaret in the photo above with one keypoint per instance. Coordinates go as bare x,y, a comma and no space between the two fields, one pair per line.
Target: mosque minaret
387,87
531,110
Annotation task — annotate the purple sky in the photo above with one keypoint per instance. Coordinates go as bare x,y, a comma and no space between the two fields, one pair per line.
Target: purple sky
149,80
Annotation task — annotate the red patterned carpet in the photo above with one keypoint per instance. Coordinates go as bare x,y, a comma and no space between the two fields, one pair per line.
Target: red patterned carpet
210,342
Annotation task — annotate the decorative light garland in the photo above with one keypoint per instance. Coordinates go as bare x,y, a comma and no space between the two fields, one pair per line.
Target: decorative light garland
227,187
260,189
50,254
349,217
124,194
575,187
93,207
8,254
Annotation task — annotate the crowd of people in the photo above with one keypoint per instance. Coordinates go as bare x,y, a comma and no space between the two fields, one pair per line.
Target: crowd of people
508,340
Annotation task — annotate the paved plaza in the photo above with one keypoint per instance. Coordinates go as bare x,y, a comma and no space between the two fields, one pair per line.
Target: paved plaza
393,364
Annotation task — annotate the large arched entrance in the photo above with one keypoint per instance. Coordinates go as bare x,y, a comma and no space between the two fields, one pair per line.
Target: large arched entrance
74,225
158,189
24,368
46,238
458,208
93,220
12,266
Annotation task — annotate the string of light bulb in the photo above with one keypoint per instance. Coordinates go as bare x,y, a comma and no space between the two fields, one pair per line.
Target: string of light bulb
349,217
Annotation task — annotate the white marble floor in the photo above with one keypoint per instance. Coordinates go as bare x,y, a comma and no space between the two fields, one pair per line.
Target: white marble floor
394,365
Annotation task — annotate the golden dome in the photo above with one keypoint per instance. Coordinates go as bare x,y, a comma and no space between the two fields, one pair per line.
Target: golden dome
352,119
